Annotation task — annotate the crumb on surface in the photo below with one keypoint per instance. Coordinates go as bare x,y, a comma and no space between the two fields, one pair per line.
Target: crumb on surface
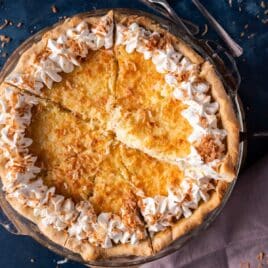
230,3
264,21
62,18
54,9
4,38
246,26
244,265
19,24
32,260
62,261
251,35
260,256
205,30
262,4
242,34
4,24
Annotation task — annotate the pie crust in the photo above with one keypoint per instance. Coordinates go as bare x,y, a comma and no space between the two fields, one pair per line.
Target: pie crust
73,98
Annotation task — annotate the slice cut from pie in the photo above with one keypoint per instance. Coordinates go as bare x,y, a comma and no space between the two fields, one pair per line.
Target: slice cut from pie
69,151
145,117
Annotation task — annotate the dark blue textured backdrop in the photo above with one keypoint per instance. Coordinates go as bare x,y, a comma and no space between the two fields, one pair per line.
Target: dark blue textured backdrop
17,251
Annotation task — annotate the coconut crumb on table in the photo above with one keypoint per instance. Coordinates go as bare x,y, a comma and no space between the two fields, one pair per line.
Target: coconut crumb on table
244,265
62,18
251,35
54,9
205,30
262,4
5,38
19,24
62,261
4,24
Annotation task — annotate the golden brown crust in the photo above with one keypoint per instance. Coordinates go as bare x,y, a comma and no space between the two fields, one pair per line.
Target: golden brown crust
142,248
89,252
162,239
84,248
228,118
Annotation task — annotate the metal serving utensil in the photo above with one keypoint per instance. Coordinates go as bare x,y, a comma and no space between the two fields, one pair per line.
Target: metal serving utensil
194,29
234,48
162,6
171,12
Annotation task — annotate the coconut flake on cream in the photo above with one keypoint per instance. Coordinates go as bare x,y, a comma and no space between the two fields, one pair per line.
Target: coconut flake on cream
160,212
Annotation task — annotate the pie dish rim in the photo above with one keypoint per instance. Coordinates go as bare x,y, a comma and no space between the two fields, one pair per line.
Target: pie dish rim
104,11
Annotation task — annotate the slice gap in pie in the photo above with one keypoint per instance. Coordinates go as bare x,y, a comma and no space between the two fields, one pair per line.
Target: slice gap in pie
68,150
145,118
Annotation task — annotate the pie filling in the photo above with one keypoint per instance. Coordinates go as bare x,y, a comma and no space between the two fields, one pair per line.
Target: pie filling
144,150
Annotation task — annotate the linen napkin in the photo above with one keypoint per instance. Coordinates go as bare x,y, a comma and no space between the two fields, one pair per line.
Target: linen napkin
239,235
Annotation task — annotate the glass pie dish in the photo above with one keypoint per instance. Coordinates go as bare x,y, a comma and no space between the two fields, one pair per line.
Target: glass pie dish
227,70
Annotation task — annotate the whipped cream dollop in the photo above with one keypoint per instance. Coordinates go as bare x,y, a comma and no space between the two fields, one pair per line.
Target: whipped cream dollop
102,230
160,212
153,46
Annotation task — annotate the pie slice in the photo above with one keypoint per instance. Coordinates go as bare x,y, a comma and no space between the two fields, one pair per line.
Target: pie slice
115,200
69,151
82,50
144,117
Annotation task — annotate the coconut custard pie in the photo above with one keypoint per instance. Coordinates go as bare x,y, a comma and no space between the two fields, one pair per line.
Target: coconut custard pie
116,137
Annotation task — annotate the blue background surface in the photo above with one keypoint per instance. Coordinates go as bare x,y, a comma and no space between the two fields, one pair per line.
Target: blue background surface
18,251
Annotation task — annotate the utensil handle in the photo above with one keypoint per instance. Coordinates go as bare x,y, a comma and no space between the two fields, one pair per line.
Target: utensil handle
255,134
234,48
174,16
260,134
156,7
